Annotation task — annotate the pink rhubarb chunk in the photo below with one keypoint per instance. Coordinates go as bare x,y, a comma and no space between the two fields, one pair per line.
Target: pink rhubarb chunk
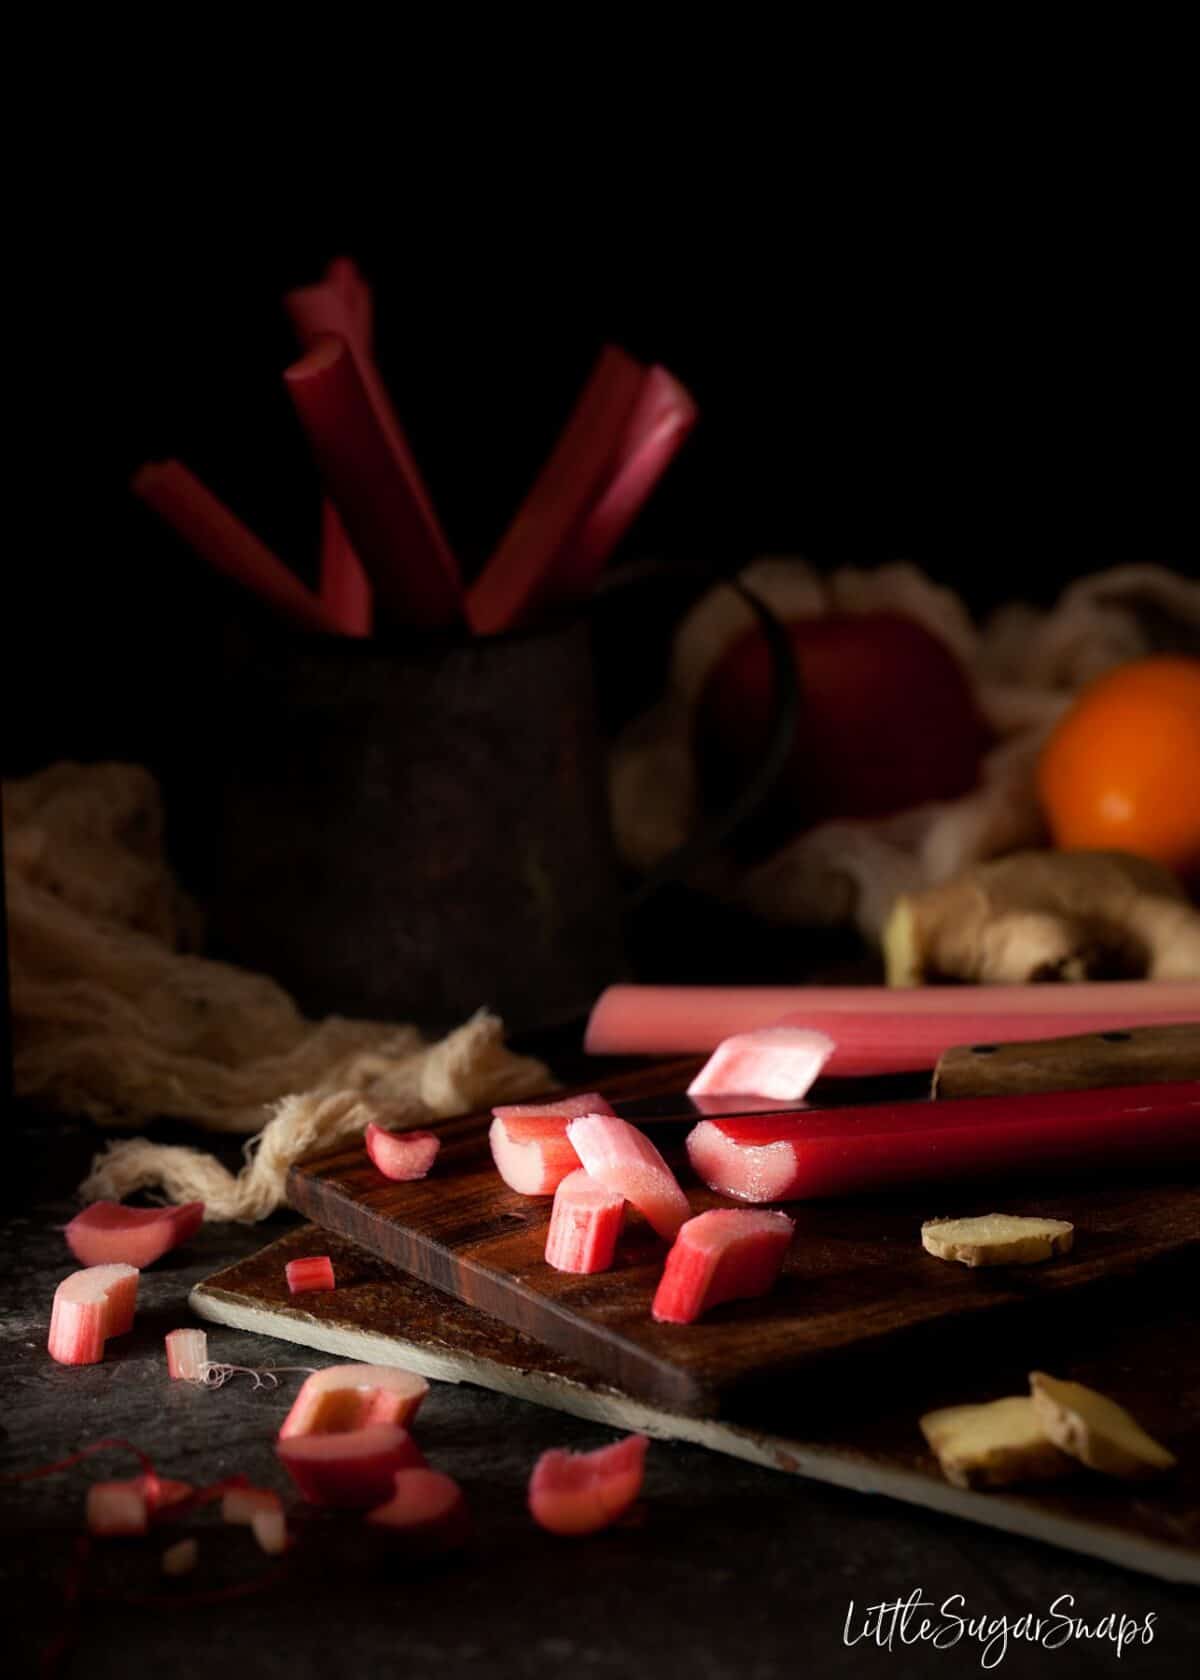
270,1530
89,1307
116,1509
240,1505
402,1156
344,1397
426,1514
578,1493
584,1225
727,1254
627,1163
187,1355
777,1062
305,1275
351,1468
108,1234
530,1145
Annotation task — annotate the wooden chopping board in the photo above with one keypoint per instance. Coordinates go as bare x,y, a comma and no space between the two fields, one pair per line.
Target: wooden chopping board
861,1435
856,1280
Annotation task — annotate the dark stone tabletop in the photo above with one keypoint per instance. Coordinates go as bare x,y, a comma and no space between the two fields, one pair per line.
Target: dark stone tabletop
726,1569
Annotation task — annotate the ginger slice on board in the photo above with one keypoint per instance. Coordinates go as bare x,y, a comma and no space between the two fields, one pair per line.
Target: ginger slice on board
997,1239
993,1444
1094,1429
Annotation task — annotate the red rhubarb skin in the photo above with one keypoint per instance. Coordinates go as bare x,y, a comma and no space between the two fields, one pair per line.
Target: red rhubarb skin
727,1254
426,1516
848,1151
581,1493
403,1157
584,1225
106,1233
304,1276
353,1469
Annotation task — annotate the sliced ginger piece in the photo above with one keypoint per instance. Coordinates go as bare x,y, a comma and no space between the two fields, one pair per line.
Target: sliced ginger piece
1094,1429
997,1239
994,1444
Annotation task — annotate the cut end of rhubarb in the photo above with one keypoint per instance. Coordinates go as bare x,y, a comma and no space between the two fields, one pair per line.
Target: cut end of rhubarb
89,1307
627,1163
106,1233
580,1493
776,1062
346,1397
426,1514
402,1156
727,1254
584,1225
738,1168
529,1141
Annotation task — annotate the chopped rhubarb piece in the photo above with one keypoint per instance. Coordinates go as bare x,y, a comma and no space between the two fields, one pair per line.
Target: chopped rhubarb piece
851,1151
187,1355
305,1275
727,1254
180,1559
530,1145
402,1156
351,1468
240,1505
116,1509
108,1233
161,1493
520,577
374,487
879,1029
627,1163
584,1225
344,1397
89,1307
578,1493
219,537
426,1514
269,1528
778,1062
344,587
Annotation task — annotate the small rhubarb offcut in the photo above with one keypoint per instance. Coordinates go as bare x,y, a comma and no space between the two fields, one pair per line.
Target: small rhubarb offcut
240,1505
116,1509
776,1062
89,1307
306,1275
584,1225
579,1493
345,1397
627,1163
180,1559
402,1156
108,1234
270,1530
426,1515
530,1145
187,1355
727,1254
354,1468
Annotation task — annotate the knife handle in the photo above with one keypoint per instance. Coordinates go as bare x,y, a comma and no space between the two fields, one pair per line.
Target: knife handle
1133,1056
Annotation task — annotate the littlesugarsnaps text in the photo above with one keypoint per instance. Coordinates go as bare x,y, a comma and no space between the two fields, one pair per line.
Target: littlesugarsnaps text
917,1620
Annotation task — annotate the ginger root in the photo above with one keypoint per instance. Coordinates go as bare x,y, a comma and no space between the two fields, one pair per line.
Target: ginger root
997,1239
994,1444
1046,916
1094,1429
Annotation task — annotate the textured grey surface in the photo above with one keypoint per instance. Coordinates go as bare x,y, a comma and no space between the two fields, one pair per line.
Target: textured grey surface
727,1570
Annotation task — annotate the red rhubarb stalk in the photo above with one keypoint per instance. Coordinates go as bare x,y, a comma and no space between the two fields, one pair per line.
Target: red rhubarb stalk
426,1515
664,415
727,1254
187,1355
218,536
402,1156
520,577
776,1062
343,1397
529,1141
89,1307
344,587
107,1233
849,1151
579,1493
584,1225
304,1276
351,1468
371,484
879,1029
627,1163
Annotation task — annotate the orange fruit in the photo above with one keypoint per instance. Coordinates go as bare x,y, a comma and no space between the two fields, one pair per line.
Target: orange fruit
1121,769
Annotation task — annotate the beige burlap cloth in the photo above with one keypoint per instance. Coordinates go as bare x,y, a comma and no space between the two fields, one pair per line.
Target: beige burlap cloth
116,1017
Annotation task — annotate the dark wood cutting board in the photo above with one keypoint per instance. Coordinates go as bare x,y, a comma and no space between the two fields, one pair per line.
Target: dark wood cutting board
1137,1345
856,1278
